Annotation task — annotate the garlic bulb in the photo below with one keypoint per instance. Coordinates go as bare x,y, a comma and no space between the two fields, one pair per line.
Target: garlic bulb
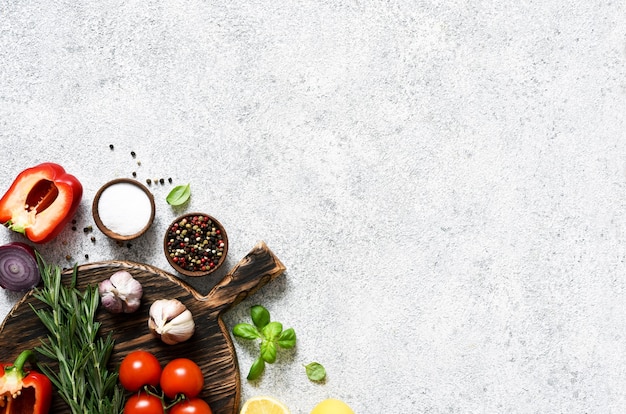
171,321
120,293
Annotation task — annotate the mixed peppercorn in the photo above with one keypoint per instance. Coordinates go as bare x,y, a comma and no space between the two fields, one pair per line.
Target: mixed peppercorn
195,243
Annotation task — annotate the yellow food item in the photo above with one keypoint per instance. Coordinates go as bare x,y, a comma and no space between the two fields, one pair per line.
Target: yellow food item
332,406
264,405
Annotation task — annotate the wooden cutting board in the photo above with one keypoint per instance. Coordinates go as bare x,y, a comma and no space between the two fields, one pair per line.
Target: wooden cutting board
210,347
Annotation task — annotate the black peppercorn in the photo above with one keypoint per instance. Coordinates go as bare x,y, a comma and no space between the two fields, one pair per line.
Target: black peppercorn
195,243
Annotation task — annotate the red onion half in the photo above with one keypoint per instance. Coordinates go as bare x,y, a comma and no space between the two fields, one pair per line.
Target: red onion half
18,267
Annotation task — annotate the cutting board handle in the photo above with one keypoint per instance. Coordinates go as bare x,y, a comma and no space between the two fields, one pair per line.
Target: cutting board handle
256,269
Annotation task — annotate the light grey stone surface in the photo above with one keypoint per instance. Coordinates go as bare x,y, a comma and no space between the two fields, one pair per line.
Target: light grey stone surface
444,180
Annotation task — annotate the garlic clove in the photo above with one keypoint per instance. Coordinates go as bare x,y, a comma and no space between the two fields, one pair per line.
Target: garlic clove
120,293
171,321
179,329
164,310
110,301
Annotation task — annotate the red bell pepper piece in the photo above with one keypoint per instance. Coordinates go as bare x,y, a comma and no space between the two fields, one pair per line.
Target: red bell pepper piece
22,391
41,200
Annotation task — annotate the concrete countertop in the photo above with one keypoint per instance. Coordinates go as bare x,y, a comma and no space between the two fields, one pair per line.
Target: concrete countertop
444,181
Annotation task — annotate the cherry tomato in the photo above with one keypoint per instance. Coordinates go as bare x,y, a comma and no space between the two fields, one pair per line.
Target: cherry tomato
139,368
182,376
191,406
143,403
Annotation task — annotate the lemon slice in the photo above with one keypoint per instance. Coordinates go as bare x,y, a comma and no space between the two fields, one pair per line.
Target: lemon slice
332,406
264,405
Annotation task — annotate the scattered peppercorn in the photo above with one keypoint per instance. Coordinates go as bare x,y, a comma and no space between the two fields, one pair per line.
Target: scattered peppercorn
161,181
111,146
134,173
128,245
169,180
88,229
148,181
93,239
196,243
86,257
73,228
132,154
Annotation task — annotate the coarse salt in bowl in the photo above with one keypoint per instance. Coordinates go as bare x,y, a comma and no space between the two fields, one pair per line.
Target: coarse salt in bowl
123,209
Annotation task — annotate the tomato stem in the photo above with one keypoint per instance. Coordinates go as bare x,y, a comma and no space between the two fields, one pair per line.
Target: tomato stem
176,400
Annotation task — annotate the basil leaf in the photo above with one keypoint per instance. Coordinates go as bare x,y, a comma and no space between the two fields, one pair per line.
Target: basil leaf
287,338
268,351
315,371
179,195
256,369
246,331
272,330
260,316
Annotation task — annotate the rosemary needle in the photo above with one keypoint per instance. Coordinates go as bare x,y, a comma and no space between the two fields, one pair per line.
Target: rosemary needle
81,356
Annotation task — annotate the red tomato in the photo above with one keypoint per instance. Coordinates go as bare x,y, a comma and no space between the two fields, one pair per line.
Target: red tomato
191,406
182,376
139,368
143,403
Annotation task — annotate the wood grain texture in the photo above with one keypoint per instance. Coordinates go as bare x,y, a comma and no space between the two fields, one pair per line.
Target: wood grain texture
210,346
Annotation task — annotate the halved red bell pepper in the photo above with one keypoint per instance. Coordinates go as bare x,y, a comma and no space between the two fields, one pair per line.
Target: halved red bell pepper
23,391
41,200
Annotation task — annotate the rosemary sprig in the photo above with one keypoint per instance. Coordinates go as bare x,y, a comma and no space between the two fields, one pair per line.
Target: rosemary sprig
82,378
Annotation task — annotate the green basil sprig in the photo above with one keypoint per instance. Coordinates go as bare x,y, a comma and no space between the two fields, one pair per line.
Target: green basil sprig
270,334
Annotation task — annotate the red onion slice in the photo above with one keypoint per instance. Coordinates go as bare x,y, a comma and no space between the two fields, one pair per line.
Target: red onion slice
18,267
